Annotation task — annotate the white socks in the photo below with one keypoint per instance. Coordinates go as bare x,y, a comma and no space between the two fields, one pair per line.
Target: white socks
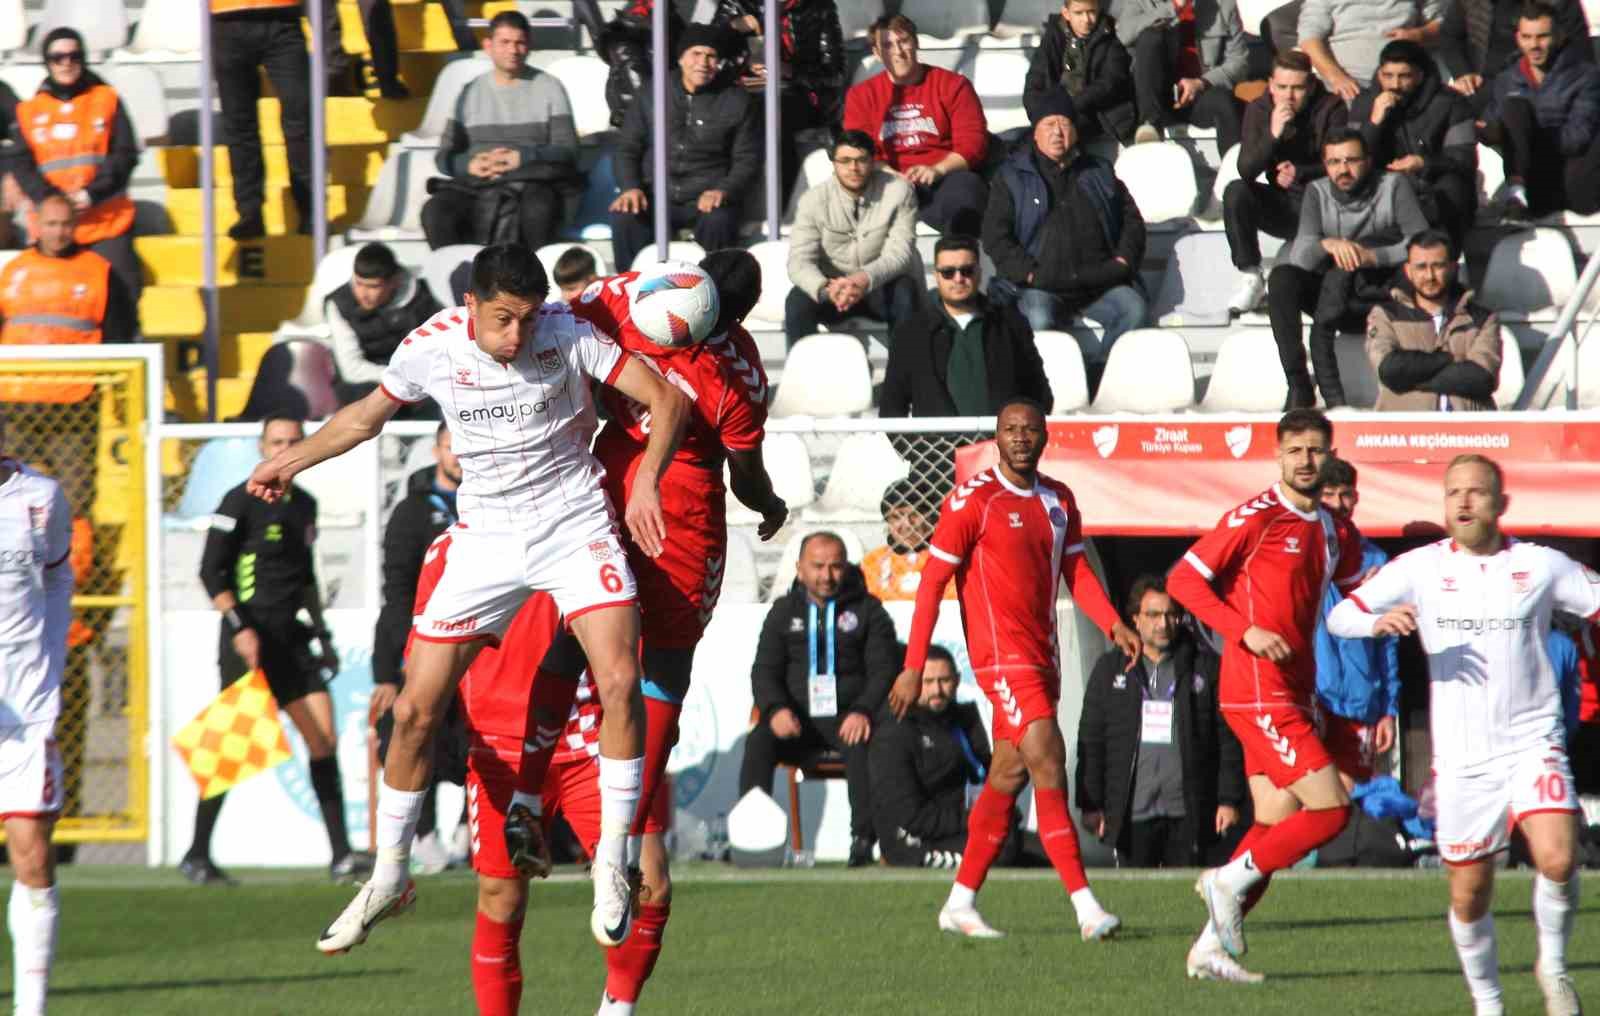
398,811
1239,875
961,898
31,918
619,801
1555,905
613,1006
1480,960
1086,906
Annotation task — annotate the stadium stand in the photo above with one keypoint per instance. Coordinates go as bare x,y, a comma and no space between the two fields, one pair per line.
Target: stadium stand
1160,177
824,375
1530,273
102,23
13,25
167,31
1149,371
773,257
863,466
1063,365
677,250
439,264
584,78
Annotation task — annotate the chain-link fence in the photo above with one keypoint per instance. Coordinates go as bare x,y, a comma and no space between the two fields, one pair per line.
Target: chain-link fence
82,422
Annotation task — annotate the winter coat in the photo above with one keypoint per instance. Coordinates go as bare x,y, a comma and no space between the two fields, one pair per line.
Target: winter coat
921,767
1415,365
1301,143
1358,679
420,516
1219,35
1434,122
1108,87
811,42
714,137
915,381
866,651
833,236
1566,102
1484,32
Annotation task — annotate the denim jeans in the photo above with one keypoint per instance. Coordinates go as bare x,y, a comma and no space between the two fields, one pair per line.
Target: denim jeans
1119,309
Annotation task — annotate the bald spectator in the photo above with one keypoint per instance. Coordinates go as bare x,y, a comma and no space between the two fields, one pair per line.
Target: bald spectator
70,296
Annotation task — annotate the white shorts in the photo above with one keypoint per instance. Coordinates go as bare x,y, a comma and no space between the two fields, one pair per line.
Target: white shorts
1479,805
488,576
30,772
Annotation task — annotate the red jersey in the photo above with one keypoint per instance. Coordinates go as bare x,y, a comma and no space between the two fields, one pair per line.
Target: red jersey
1010,548
1267,564
919,124
1589,674
723,376
580,739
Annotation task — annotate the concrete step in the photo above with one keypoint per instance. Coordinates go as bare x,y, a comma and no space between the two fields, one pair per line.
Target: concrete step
353,121
347,164
237,353
179,260
344,208
178,310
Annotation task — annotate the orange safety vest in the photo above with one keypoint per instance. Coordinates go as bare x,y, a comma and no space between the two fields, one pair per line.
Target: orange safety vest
47,301
235,6
69,142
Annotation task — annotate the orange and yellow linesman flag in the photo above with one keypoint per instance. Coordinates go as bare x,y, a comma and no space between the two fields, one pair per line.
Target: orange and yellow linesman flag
235,737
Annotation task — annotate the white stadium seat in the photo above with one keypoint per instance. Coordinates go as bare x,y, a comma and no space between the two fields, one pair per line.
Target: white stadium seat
550,253
789,464
863,467
24,79
1512,376
584,78
1149,371
14,25
773,257
824,375
1247,377
442,100
677,250
741,582
1063,365
997,77
1491,174
140,92
441,262
853,552
168,31
856,16
1227,172
1160,176
102,23
1026,15
394,207
946,19
332,272
815,168
1529,270
1253,12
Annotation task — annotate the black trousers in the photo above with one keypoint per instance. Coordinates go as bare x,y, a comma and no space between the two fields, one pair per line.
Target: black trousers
447,216
955,203
1248,210
713,230
1332,298
377,22
763,750
1532,153
1155,62
894,301
241,47
1586,758
1159,843
1449,203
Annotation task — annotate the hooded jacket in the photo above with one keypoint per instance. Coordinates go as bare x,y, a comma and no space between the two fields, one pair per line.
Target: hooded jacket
1301,143
1567,101
866,651
1108,80
1416,365
1381,213
1434,122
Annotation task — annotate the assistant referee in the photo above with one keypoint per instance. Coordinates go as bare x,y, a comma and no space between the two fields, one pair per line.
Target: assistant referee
257,568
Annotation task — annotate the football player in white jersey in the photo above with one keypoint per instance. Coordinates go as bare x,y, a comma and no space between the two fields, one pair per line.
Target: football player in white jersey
35,610
512,375
1481,602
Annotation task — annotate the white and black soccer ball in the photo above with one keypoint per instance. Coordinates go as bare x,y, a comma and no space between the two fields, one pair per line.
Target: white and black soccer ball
674,303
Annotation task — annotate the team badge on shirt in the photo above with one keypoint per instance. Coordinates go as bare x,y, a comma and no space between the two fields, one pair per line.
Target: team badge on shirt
1520,581
464,376
549,359
1058,517
848,621
600,550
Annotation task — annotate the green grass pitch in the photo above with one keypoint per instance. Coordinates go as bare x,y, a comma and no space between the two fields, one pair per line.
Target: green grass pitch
135,941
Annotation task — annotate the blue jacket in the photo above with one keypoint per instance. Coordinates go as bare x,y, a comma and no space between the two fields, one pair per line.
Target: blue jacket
1567,102
1357,678
1569,681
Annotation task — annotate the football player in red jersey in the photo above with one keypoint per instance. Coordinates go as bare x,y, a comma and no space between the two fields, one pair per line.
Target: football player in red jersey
1257,580
1008,535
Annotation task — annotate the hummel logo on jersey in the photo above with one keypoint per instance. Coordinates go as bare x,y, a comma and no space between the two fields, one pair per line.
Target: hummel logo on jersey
1016,519
747,375
1280,744
515,411
958,498
1237,517
1291,545
1008,702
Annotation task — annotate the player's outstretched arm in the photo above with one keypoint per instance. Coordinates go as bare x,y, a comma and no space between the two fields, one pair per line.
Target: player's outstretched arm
752,485
1089,596
936,574
359,421
669,413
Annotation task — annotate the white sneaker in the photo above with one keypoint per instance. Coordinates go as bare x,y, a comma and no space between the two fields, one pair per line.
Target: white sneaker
1103,927
1215,965
428,855
370,906
966,921
1560,996
1147,133
1227,913
1252,288
612,916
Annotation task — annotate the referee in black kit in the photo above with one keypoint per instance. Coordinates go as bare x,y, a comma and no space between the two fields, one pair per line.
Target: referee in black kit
258,570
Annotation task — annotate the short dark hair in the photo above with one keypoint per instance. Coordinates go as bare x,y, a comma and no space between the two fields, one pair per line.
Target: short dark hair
1406,52
280,416
1337,472
444,428
375,261
1534,10
955,241
737,274
1147,583
892,23
1298,421
852,139
511,19
574,265
1428,238
938,652
509,269
825,534
1343,135
1292,60
1021,400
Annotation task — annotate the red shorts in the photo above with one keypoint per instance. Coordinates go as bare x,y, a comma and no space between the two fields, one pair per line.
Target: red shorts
1349,742
679,590
572,790
1019,695
1279,742
492,764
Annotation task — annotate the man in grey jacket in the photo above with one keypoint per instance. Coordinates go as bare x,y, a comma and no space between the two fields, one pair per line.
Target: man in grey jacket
1353,228
853,252
1187,57
1344,37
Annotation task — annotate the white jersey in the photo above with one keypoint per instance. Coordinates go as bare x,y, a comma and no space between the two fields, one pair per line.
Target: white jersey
1483,622
521,430
35,596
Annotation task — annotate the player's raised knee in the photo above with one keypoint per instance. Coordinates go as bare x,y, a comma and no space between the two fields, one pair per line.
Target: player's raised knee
502,899
414,716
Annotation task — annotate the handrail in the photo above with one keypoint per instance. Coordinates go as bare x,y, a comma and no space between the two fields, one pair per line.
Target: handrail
1558,337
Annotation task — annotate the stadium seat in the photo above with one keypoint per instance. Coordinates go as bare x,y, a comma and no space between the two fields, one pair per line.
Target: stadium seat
442,100
102,23
1588,358
853,551
677,250
1530,270
741,582
1227,172
1247,377
997,77
773,256
584,78
824,375
1160,176
947,19
1149,371
1512,375
221,464
1026,15
295,377
789,464
140,91
394,208
1253,12
440,263
862,468
24,79
168,30
857,16
1491,174
1356,371
332,272
550,253
757,831
13,25
593,218
815,168
1063,365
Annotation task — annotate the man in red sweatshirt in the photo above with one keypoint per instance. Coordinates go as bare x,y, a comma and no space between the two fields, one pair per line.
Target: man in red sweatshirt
929,128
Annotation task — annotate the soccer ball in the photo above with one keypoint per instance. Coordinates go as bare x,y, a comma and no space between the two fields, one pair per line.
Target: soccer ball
674,304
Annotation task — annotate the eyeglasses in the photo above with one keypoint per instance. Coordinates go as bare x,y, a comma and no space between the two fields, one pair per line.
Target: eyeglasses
69,56
951,271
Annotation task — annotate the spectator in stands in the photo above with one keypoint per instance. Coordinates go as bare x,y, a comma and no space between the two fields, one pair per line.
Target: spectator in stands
1481,35
377,24
894,570
1432,345
73,137
1416,126
824,661
929,127
1344,37
853,250
1187,56
964,355
1281,139
574,270
625,46
11,197
1079,54
1066,238
1352,236
1543,115
247,37
71,295
1160,776
369,316
510,149
811,48
1358,680
921,769
715,158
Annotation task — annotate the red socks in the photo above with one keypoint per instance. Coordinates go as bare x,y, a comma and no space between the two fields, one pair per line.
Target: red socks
1248,840
496,966
660,734
629,965
549,705
1060,840
1296,836
987,825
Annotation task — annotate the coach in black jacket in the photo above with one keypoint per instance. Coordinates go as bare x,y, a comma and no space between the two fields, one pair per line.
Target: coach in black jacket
827,624
1182,819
